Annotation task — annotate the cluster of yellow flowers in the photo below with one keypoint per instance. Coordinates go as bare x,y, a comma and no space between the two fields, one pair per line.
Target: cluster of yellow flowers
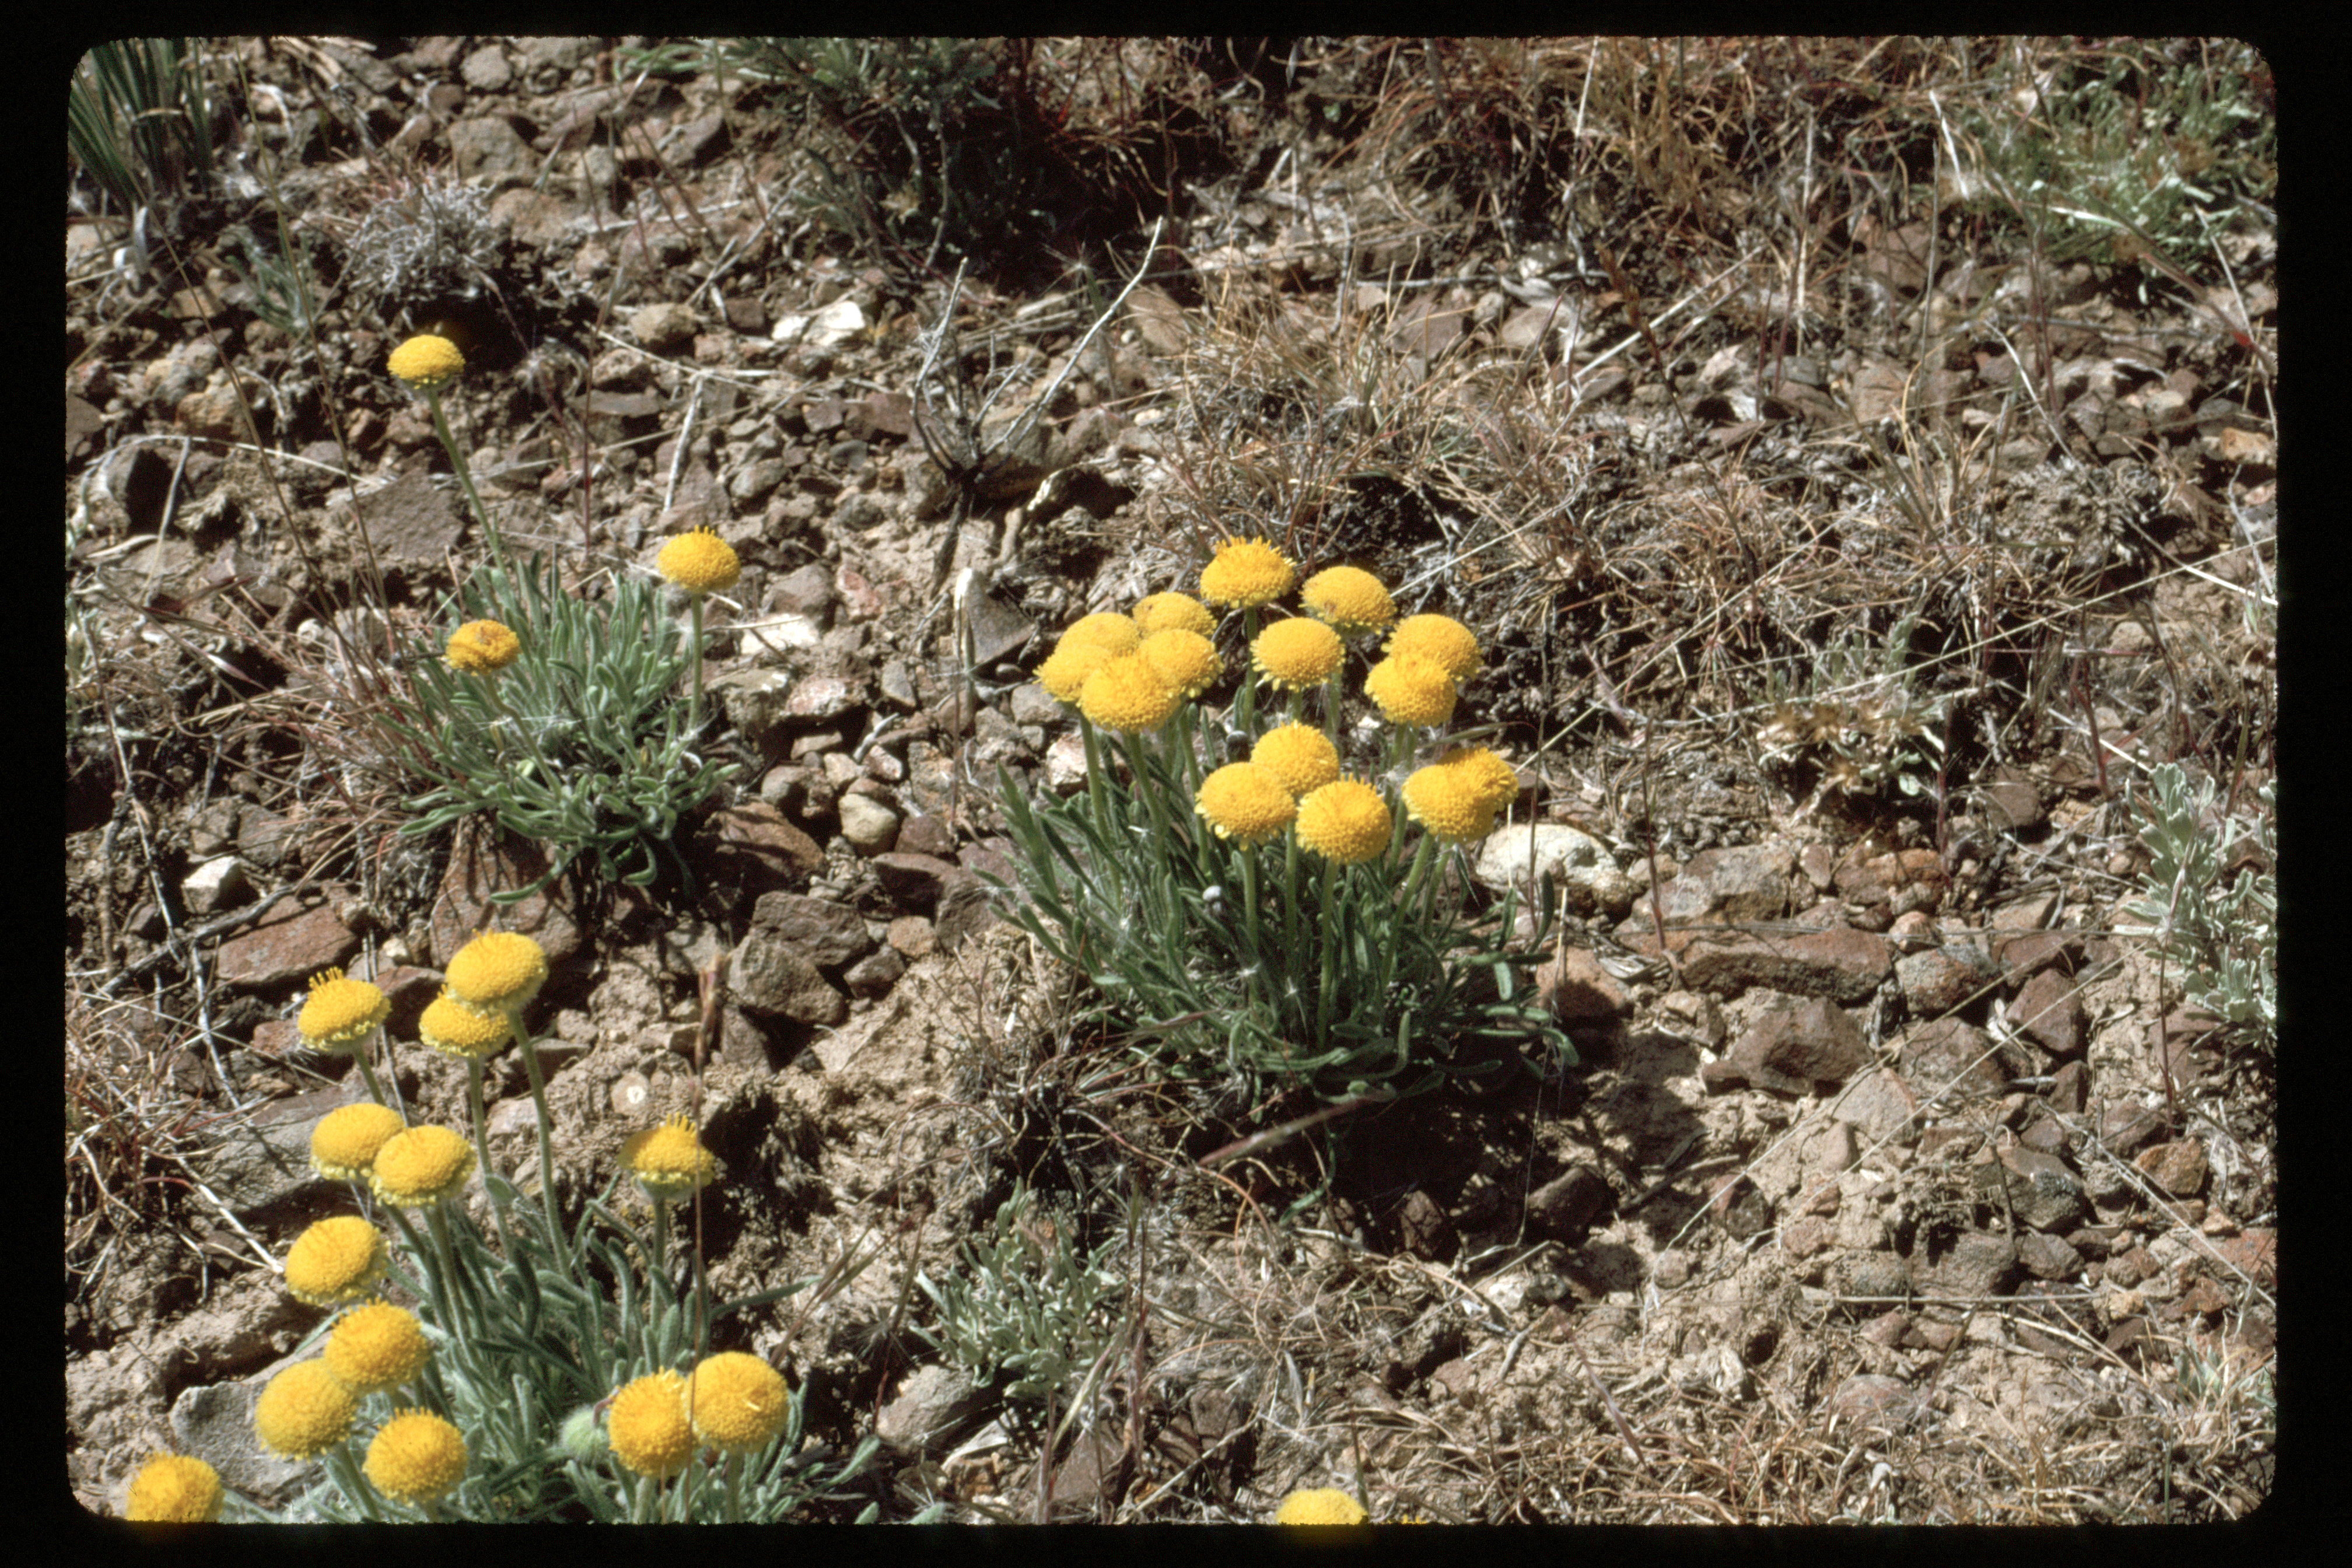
1130,674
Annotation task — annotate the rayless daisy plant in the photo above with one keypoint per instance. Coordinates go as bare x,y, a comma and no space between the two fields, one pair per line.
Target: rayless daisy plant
556,716
1246,900
550,1365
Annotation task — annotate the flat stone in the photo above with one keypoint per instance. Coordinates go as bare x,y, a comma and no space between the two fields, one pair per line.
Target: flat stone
1980,1264
753,847
410,521
1948,1060
1870,1399
827,934
1800,1044
874,974
1881,1107
2179,1168
1944,978
1565,1207
2049,1012
1587,874
285,947
1750,882
765,975
663,327
930,1405
2043,1193
1843,964
2048,1256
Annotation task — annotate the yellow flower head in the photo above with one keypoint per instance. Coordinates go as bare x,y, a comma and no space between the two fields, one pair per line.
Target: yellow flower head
1064,670
482,647
340,1013
377,1347
497,972
700,562
304,1410
1344,821
1323,1505
425,362
1126,694
173,1489
647,1425
1173,612
1246,571
1482,773
1297,652
1411,690
1441,640
1112,634
1350,598
336,1260
420,1166
451,1027
1185,659
1299,755
1450,805
669,1160
416,1457
739,1402
1246,802
344,1142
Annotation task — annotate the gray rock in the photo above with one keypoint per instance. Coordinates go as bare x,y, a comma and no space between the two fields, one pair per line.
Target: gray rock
869,825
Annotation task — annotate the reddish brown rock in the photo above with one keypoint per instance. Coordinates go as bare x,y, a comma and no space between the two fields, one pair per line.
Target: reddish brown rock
2179,1168
1796,1046
752,846
285,947
2049,1010
1843,964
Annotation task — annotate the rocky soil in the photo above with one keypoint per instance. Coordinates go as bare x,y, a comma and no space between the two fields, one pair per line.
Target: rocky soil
1895,1182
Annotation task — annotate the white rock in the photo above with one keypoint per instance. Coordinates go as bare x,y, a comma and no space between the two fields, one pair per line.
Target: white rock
215,885
1066,765
870,827
1567,855
828,328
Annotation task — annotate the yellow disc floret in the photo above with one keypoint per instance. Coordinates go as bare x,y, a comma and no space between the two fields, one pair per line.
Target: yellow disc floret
1112,634
1451,807
700,562
1297,754
1246,571
482,647
739,1402
1322,1505
344,1142
336,1260
669,1160
377,1346
1482,773
416,1457
1128,695
1441,640
497,972
1411,690
1064,670
1344,821
420,1166
340,1013
1296,653
1185,659
425,362
647,1425
1173,612
1246,802
1350,598
304,1410
173,1489
451,1027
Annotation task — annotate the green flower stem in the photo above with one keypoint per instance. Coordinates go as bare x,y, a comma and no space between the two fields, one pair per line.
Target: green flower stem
1327,907
1249,907
1248,698
1293,956
367,1075
556,1237
439,1275
482,1148
694,652
344,1466
465,474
